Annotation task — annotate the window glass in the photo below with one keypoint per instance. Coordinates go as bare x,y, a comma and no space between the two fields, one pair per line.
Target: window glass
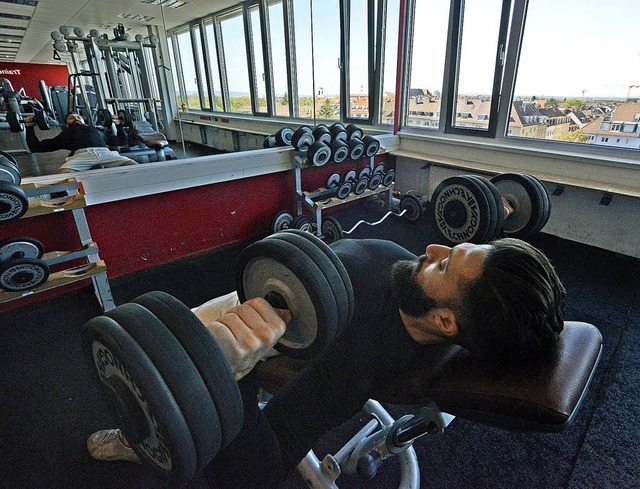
304,65
201,68
174,75
389,63
358,106
235,56
188,69
326,43
481,25
427,62
258,58
576,82
213,64
278,57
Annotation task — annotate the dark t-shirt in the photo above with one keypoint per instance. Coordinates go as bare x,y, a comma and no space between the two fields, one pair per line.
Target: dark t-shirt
372,351
73,138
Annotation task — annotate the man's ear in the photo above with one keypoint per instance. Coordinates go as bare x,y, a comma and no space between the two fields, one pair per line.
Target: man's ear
446,321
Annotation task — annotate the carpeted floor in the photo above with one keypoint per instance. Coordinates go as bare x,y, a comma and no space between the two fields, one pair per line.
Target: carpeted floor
50,401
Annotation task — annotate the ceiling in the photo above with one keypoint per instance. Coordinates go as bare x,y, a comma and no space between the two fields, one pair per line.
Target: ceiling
26,25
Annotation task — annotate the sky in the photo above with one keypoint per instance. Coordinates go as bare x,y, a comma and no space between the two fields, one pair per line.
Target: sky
570,48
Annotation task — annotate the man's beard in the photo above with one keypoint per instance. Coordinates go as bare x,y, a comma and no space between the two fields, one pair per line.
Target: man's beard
412,299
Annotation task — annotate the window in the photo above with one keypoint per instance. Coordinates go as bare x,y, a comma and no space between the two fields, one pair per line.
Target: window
259,70
235,58
187,64
389,60
358,60
205,100
175,75
304,73
279,58
214,71
326,69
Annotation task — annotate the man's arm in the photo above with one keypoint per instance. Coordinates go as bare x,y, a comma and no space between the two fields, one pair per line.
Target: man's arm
46,145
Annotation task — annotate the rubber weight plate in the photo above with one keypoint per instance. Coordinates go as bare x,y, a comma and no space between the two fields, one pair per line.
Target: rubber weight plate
13,202
327,269
269,142
495,196
354,131
282,221
412,207
151,419
379,168
492,216
337,263
303,223
205,354
283,136
389,178
351,176
319,154
365,172
523,196
361,186
331,230
302,138
546,201
322,134
273,267
42,120
375,181
541,208
371,145
461,210
339,151
23,274
14,248
16,124
10,157
356,148
179,374
344,190
9,172
333,181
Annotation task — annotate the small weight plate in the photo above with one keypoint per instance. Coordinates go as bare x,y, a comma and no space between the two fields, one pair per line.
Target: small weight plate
339,151
22,247
523,196
361,186
16,124
23,274
331,229
302,223
461,210
375,181
10,157
282,221
322,133
413,207
104,118
379,168
333,181
41,119
338,132
371,145
318,154
365,172
269,142
351,176
13,202
302,138
283,136
354,131
344,190
356,148
389,178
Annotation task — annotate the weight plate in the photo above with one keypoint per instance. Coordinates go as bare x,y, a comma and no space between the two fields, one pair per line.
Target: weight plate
356,148
333,181
16,124
13,202
540,209
41,119
205,354
351,176
104,118
523,196
273,266
413,207
282,221
361,186
375,181
365,172
180,375
337,263
339,151
344,190
354,131
389,178
302,223
269,142
10,157
78,31
125,117
328,270
338,132
23,274
151,419
331,230
461,210
495,196
14,248
302,138
492,216
322,134
283,136
371,145
319,154
546,200
379,168
57,36
9,172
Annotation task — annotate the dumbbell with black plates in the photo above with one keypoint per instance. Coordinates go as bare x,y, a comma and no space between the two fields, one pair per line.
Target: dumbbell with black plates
474,209
342,187
174,390
316,152
123,118
21,266
282,137
14,202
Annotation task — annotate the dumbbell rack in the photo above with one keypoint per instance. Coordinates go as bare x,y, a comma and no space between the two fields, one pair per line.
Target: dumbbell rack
323,198
95,268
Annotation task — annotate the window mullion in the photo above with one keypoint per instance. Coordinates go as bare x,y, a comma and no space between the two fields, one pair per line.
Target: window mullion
253,89
224,82
376,76
266,56
452,63
345,35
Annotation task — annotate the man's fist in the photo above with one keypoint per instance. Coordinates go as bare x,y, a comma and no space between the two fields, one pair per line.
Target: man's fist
29,121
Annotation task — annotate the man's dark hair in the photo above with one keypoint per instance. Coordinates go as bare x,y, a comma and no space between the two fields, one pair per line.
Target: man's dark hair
514,311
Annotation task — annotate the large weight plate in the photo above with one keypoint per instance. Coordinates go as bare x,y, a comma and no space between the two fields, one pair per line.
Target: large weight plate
461,210
275,266
10,157
23,274
180,375
151,419
205,354
327,269
13,202
371,145
283,136
104,118
339,151
495,197
22,247
492,216
282,221
522,195
9,172
41,119
546,201
16,124
318,154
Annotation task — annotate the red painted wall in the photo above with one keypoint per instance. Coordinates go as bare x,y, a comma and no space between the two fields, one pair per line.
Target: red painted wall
27,76
139,233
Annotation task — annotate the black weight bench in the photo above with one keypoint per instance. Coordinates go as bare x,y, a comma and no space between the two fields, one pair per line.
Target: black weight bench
538,398
144,132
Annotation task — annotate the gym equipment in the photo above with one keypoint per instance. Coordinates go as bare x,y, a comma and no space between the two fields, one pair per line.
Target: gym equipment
282,220
372,146
339,151
283,136
333,181
302,138
318,153
331,229
302,222
9,171
20,265
356,148
354,132
13,202
322,133
412,207
472,208
338,132
296,271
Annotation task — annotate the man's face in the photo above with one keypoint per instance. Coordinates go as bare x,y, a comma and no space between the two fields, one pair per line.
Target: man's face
73,118
436,277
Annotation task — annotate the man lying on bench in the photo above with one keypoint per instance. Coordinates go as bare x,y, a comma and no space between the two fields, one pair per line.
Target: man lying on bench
502,303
